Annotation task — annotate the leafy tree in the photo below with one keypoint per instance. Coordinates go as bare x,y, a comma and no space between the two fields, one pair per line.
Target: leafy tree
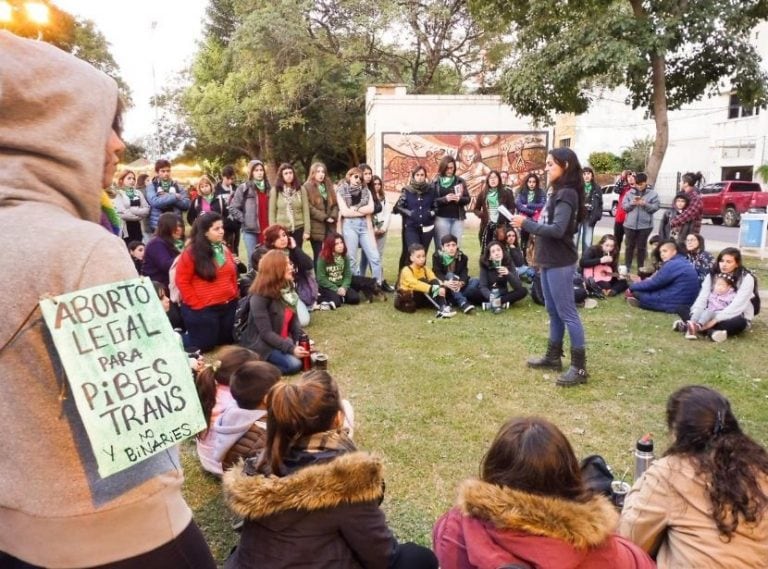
604,162
667,53
133,151
78,37
635,157
762,171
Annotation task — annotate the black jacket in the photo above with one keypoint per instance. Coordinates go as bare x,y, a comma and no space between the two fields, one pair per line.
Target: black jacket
594,205
453,210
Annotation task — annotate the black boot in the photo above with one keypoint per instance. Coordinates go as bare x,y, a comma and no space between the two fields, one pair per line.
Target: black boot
577,373
551,359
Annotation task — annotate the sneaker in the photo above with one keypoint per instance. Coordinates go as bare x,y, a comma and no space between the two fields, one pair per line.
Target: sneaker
445,312
633,302
386,287
679,326
468,308
692,330
719,336
325,306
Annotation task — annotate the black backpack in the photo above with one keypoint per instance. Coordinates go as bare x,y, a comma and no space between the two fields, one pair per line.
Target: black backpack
242,312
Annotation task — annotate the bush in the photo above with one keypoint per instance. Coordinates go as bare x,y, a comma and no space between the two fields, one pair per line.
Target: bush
602,162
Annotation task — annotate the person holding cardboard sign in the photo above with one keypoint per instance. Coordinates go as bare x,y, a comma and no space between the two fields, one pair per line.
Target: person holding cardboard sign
55,509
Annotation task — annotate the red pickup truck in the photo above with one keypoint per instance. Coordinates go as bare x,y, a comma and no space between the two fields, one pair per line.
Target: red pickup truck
724,202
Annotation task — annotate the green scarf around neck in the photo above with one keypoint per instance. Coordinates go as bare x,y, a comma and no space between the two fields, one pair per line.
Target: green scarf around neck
447,181
290,296
259,184
218,253
323,191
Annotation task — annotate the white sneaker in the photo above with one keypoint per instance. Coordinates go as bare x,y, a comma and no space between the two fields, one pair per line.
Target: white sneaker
678,326
719,336
445,313
469,307
325,306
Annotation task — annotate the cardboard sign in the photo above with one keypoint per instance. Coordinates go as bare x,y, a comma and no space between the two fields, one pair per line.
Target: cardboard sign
127,371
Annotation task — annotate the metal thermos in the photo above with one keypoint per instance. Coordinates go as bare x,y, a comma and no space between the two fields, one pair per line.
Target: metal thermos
306,360
643,454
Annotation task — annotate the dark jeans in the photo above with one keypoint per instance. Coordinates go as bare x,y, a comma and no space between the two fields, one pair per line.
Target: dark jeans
618,233
637,241
416,235
328,295
298,236
187,551
232,239
210,326
316,248
616,285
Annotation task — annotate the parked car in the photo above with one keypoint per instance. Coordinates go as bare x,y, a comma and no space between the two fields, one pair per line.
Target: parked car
610,199
725,201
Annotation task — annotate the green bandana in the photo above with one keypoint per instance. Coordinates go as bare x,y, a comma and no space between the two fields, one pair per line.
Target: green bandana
259,184
323,191
290,296
130,192
179,244
587,188
166,185
446,258
447,182
218,253
208,198
531,196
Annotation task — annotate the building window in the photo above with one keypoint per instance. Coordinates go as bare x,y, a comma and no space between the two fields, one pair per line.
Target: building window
736,110
565,143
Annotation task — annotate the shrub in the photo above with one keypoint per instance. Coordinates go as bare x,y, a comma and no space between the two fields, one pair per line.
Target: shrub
604,162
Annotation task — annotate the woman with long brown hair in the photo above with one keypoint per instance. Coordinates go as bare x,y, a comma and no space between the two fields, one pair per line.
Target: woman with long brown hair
131,206
530,506
311,495
288,204
323,210
704,503
273,329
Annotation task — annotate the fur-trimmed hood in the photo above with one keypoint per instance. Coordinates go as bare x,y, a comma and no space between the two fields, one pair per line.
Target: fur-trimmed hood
348,479
582,525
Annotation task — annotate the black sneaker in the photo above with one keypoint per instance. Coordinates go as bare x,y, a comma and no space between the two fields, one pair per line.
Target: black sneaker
386,287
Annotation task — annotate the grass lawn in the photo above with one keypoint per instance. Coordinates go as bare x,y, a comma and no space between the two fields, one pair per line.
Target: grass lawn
430,394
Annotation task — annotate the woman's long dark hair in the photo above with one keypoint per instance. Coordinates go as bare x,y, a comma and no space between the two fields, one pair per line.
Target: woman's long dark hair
485,260
532,455
167,224
443,165
280,183
734,252
731,463
571,177
200,247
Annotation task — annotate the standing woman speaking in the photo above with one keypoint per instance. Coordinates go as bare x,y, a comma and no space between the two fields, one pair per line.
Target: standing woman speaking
556,255
207,279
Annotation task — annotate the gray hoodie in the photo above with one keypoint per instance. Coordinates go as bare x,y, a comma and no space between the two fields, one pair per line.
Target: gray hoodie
231,425
56,113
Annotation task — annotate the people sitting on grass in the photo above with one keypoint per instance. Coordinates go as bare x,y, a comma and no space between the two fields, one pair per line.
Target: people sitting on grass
499,286
699,257
722,295
510,241
672,288
334,276
705,502
419,283
240,431
450,266
600,265
273,330
530,508
736,316
311,495
213,389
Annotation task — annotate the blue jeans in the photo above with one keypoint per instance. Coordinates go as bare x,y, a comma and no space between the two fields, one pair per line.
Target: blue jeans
287,363
364,264
355,230
460,298
557,286
448,226
585,233
251,240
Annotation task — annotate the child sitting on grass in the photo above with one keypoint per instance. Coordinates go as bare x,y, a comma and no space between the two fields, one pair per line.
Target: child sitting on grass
241,430
213,389
450,267
418,281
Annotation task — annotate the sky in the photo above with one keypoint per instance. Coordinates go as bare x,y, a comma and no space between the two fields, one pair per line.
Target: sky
136,48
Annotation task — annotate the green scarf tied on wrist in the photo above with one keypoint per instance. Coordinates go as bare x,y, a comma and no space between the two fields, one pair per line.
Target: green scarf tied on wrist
218,253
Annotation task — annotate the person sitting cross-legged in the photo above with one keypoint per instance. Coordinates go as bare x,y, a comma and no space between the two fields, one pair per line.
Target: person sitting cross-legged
450,266
419,281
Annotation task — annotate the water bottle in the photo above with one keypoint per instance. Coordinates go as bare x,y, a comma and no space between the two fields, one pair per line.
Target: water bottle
643,454
306,360
495,300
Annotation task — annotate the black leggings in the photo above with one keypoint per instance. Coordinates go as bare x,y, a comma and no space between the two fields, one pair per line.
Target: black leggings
188,551
637,241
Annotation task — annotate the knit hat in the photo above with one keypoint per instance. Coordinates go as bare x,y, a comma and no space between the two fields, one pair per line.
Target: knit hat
251,165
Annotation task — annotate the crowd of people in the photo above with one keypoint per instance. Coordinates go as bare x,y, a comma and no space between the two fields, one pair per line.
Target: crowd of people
285,450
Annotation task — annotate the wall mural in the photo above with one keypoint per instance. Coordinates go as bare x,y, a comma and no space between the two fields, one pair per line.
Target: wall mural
516,153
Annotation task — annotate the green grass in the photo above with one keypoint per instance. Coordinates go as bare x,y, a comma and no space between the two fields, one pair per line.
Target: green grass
430,394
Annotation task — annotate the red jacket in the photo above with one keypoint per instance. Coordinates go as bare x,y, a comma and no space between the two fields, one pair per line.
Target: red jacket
621,215
198,293
492,526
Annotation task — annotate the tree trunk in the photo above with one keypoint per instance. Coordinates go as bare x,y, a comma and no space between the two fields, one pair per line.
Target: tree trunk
659,105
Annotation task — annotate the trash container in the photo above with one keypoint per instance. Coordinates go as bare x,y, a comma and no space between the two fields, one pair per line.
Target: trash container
752,232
